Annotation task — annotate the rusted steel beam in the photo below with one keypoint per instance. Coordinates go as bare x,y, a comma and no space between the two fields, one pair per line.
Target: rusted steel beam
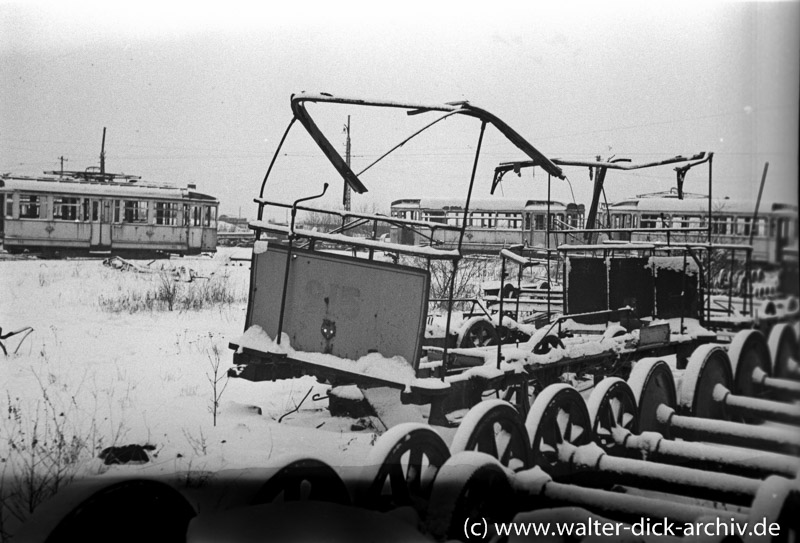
298,102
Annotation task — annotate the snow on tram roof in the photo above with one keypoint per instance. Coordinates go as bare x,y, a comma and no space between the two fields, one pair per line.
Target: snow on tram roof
77,187
490,204
700,205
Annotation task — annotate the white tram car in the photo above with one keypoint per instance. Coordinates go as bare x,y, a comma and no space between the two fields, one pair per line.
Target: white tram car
774,229
104,213
491,223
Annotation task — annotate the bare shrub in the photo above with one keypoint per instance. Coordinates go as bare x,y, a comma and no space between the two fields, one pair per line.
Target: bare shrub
165,293
470,273
214,379
45,448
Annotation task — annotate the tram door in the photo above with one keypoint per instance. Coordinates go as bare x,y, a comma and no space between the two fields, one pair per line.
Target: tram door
193,219
100,219
621,221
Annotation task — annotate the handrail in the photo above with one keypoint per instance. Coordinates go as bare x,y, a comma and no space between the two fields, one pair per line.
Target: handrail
412,250
370,216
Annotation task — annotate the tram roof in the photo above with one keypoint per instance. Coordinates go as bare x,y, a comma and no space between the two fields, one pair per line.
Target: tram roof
700,206
55,185
478,204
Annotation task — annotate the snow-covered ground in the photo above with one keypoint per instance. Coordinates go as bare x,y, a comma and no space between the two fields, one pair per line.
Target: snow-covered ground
98,377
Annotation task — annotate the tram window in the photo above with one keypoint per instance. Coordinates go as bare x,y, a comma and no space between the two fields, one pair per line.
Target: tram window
130,211
197,216
538,222
9,206
210,216
649,221
454,219
435,216
29,206
65,209
746,227
719,225
166,213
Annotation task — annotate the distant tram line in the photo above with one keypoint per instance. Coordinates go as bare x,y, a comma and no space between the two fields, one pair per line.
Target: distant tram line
79,213
497,223
491,224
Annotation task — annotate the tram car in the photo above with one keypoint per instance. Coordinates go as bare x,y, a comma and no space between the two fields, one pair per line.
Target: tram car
104,213
773,231
492,224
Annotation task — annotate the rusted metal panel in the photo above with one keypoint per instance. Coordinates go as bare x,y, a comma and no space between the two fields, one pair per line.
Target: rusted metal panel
676,295
340,305
655,334
587,287
631,284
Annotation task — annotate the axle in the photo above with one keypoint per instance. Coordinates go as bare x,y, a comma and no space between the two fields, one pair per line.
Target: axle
728,433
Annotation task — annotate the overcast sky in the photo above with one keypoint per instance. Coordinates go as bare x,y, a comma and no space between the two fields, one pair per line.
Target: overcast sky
194,92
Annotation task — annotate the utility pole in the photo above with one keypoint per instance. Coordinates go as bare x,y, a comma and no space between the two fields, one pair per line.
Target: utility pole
62,159
346,195
103,155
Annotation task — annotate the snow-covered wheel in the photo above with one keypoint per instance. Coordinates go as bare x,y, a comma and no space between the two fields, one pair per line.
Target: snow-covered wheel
400,468
614,330
510,291
613,412
496,428
470,485
747,352
557,416
783,350
547,344
777,501
304,479
652,384
768,308
130,510
480,333
708,367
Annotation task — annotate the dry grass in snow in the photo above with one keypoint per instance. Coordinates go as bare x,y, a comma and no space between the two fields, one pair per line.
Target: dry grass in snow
120,358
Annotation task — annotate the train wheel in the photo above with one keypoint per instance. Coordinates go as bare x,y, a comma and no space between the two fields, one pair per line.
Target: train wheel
615,330
400,468
708,367
470,485
652,384
777,502
128,511
557,416
495,427
613,412
480,333
783,349
509,291
304,479
748,351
